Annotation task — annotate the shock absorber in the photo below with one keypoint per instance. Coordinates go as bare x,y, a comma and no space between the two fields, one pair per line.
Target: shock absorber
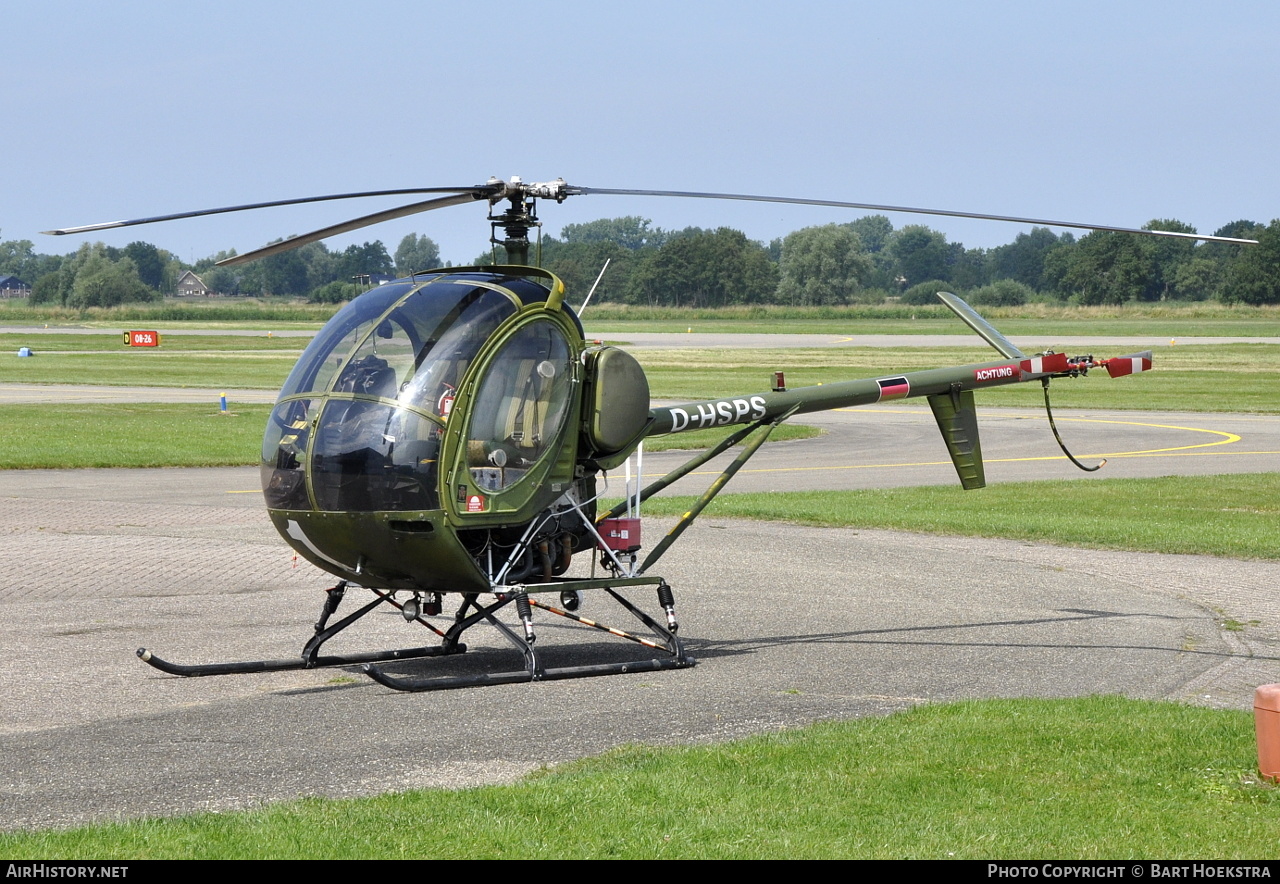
525,611
332,598
667,599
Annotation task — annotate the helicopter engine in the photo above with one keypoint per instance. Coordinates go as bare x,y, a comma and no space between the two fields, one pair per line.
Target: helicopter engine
541,550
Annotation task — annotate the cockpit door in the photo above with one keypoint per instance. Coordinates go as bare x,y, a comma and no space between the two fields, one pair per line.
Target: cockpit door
517,453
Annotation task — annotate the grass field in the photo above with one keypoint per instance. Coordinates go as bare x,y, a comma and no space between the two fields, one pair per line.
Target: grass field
149,434
129,435
1161,320
1158,318
929,323
1188,376
1236,516
114,344
154,368
1237,377
1091,778
699,439
1172,514
281,312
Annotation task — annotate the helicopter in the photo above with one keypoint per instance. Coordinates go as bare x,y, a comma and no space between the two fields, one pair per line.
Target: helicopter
448,436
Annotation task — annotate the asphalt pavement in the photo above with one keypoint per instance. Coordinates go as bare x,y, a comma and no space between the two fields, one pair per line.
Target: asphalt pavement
790,625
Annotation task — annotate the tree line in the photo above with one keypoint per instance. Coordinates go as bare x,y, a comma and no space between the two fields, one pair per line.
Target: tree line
868,261
98,275
863,261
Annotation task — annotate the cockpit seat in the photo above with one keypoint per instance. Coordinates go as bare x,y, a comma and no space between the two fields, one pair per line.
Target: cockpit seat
368,376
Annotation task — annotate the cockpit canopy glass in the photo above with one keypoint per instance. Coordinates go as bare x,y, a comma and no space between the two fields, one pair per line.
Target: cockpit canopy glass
378,385
427,340
520,406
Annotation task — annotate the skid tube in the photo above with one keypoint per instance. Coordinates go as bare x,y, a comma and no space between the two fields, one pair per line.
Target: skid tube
667,641
310,657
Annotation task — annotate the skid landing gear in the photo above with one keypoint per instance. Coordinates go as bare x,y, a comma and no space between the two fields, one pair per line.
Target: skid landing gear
310,657
673,655
469,614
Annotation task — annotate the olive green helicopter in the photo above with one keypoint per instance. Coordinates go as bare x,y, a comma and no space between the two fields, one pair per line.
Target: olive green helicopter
451,433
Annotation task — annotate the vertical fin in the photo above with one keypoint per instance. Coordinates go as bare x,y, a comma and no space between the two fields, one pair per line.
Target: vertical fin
958,421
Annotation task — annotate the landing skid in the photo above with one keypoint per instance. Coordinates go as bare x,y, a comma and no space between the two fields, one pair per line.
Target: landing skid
310,657
667,643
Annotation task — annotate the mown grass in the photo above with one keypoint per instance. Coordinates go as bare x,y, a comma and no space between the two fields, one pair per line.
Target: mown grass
1237,515
1238,377
113,343
1161,320
186,435
220,310
1168,319
843,327
166,367
1090,778
129,435
154,434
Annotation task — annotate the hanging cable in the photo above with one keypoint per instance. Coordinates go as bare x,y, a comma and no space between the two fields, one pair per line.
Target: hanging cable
1049,411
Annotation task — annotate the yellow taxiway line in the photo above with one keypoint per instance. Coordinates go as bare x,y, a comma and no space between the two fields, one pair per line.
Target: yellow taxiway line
1186,450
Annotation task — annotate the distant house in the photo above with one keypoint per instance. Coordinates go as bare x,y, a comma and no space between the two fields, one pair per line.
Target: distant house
192,286
12,287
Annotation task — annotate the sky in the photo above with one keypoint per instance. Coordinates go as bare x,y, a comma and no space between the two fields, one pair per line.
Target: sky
1101,112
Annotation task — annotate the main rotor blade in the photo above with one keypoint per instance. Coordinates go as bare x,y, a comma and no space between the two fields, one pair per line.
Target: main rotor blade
478,192
914,210
347,226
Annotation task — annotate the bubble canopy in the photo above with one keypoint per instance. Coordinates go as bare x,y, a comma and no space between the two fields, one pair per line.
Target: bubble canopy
366,405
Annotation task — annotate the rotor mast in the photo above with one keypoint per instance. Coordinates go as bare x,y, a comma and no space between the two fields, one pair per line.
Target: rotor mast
521,214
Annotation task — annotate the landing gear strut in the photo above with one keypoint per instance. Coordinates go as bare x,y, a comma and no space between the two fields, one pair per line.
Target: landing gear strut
674,656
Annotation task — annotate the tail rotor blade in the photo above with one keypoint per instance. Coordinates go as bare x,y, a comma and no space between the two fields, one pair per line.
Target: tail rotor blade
1123,365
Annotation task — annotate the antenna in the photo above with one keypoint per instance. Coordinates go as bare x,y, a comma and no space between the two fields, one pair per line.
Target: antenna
593,286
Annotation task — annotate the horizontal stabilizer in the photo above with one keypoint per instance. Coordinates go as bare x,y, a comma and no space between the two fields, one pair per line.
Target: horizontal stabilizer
1123,365
988,331
958,420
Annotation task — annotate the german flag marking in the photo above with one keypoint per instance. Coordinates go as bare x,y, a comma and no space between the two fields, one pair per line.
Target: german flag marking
893,388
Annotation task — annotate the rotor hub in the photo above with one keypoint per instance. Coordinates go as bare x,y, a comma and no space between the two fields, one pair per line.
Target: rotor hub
521,214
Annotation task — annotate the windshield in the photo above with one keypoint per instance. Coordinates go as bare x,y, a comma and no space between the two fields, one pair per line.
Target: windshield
378,384
325,353
405,351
